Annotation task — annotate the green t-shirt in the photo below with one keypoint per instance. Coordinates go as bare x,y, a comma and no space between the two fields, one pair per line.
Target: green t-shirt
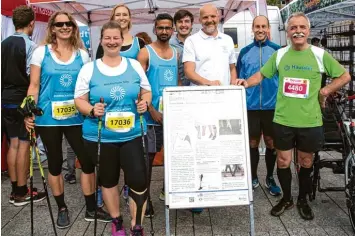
300,76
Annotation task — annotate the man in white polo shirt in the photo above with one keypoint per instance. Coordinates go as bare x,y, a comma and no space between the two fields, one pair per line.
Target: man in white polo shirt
209,57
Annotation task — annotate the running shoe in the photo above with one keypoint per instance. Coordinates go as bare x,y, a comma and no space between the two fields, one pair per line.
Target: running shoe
280,208
137,231
70,178
255,183
102,216
63,218
149,211
304,209
272,187
162,195
12,198
117,227
24,200
197,210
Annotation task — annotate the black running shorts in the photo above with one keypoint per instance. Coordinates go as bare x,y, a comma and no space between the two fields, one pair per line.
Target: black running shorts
304,139
260,122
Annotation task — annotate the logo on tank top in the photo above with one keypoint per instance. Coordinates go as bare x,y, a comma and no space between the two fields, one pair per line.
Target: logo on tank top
65,80
117,93
168,75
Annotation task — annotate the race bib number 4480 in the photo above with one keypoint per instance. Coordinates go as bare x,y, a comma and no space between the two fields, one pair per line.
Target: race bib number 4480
295,87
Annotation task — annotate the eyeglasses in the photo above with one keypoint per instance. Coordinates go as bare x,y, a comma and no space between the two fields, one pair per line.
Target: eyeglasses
162,28
61,24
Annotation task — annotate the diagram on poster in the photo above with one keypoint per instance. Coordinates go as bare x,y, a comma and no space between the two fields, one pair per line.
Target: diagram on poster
206,147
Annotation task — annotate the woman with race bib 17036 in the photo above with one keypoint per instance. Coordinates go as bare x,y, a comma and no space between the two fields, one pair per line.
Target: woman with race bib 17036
116,90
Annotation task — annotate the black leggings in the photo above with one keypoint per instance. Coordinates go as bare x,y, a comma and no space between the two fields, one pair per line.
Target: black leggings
126,155
52,138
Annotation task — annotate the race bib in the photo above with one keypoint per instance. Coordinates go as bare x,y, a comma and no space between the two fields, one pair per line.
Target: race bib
120,122
160,108
296,88
64,110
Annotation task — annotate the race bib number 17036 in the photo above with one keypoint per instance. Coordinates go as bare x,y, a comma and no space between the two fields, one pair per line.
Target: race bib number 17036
120,121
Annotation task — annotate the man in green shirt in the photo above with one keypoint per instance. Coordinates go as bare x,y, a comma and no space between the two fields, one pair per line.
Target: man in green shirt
298,117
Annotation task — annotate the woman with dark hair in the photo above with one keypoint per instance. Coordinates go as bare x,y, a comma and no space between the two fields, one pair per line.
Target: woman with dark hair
54,71
146,38
131,45
122,84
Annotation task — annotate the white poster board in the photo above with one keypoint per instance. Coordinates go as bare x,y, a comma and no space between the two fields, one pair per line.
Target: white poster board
206,147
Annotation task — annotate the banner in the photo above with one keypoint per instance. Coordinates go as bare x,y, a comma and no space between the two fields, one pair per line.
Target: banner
46,1
42,14
85,36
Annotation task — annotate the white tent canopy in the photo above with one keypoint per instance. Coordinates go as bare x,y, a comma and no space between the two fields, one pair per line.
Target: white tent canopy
94,12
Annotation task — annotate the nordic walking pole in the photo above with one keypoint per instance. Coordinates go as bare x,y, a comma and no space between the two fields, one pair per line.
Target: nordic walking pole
97,166
31,177
36,152
147,162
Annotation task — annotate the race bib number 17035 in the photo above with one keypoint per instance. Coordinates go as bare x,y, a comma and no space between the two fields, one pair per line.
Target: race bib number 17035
64,110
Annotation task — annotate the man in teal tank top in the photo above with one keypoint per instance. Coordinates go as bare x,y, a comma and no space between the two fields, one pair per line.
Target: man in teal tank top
160,61
298,117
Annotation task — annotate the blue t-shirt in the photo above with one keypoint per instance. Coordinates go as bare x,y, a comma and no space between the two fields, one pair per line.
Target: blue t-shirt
121,121
161,73
56,94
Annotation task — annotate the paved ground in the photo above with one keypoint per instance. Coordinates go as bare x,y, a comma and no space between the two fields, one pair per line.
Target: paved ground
331,216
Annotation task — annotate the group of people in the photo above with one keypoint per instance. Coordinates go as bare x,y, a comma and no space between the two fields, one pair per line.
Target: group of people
123,88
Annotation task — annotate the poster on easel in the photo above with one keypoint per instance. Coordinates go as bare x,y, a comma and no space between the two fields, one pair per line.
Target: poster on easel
206,147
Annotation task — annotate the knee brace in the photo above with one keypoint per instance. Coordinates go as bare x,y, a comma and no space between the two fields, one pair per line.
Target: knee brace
139,199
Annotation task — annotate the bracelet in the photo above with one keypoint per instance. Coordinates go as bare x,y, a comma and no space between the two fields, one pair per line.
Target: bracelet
92,113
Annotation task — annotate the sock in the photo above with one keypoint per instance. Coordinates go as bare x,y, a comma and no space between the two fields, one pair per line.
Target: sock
21,190
254,160
285,178
270,160
13,186
60,201
90,202
305,182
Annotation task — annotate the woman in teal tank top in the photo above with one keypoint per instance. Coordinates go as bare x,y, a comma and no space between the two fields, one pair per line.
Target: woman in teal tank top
54,71
125,91
131,45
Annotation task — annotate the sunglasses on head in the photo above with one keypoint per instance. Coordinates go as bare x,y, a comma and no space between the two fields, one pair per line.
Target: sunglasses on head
61,24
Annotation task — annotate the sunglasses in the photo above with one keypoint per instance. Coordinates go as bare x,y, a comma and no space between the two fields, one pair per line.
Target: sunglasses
61,24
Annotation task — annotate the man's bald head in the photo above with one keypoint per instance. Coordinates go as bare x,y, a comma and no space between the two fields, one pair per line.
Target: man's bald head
261,17
208,7
209,19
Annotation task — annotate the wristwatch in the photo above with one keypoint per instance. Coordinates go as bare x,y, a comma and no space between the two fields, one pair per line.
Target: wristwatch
92,114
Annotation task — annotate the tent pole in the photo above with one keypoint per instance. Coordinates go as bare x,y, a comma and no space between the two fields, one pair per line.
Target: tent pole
257,7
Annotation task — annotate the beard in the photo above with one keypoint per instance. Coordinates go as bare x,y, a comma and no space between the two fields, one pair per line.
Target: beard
164,38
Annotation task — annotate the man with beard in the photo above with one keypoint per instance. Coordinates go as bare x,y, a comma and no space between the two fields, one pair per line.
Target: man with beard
183,20
160,61
298,118
261,100
209,57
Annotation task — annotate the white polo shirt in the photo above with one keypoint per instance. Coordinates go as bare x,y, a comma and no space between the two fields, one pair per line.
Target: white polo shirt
212,55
